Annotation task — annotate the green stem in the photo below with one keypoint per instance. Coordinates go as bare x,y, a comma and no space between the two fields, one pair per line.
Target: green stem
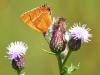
66,58
19,72
59,62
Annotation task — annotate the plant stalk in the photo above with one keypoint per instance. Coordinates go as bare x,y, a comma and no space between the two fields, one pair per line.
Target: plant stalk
18,72
59,62
66,58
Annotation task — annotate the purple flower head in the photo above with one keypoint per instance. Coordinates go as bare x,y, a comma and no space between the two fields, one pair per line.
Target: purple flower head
80,32
16,49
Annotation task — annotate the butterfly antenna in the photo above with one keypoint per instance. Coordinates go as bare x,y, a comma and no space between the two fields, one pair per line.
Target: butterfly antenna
45,38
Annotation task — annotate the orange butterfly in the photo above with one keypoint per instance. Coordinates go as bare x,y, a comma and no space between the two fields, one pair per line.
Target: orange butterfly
39,18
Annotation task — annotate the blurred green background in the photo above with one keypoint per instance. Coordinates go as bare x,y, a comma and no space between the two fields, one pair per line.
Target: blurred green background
12,29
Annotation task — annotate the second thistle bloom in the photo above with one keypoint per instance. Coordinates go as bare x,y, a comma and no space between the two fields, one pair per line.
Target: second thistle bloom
57,42
16,51
79,34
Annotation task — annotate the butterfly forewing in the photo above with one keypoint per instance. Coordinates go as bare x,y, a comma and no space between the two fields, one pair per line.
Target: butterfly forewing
45,23
39,18
26,18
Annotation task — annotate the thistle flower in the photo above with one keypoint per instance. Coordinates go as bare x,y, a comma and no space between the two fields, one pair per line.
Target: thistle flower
57,42
79,34
16,51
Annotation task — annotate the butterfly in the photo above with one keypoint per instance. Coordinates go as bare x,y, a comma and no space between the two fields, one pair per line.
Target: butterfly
39,18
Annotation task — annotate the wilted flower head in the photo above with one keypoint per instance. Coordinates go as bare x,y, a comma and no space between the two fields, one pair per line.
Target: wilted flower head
57,42
16,51
78,34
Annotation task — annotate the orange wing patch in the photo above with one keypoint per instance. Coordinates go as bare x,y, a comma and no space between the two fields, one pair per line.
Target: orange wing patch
39,18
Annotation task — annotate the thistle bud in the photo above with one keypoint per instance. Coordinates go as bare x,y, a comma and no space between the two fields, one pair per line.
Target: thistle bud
19,63
74,44
57,42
